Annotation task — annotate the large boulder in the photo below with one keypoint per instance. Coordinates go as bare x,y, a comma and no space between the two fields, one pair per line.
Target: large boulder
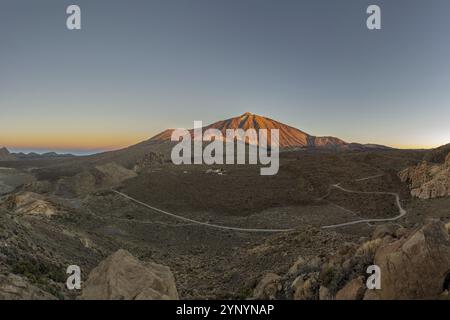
416,267
122,277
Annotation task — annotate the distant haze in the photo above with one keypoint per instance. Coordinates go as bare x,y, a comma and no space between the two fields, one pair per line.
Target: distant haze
139,67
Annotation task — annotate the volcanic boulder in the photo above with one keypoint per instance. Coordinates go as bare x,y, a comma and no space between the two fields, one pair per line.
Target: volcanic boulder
122,277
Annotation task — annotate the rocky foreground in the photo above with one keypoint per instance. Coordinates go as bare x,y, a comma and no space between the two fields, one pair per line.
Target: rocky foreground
415,264
122,277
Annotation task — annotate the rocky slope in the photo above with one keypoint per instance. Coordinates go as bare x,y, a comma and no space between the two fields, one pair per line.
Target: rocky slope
149,161
417,266
14,287
437,155
414,264
428,181
100,177
30,203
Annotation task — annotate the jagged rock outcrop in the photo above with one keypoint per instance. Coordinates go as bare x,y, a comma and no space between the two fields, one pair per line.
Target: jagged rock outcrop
414,264
428,181
123,277
416,267
14,287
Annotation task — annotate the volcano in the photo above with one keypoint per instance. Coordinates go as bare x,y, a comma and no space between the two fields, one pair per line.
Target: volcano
290,137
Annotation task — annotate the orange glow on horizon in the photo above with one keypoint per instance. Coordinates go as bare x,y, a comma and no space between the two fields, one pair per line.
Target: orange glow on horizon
414,147
105,142
75,141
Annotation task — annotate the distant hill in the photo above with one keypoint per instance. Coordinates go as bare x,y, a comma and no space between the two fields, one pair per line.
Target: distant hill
5,155
437,155
34,155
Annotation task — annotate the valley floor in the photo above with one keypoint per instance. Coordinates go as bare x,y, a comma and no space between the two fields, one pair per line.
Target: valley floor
310,192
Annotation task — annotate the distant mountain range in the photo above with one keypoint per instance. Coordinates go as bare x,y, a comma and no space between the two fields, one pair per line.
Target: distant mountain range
290,139
5,155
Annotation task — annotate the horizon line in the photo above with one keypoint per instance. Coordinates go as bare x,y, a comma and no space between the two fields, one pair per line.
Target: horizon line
88,152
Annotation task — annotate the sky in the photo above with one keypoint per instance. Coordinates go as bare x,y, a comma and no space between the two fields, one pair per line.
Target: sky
138,67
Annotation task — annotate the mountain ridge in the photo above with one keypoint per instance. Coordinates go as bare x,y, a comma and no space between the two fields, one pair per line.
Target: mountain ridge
289,137
6,155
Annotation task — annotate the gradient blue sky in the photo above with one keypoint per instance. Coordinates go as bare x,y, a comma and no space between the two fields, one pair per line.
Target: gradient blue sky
138,67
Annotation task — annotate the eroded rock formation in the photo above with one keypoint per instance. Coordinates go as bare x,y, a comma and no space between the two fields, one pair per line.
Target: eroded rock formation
428,181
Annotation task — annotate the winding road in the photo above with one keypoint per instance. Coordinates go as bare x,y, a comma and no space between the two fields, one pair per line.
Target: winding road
205,224
402,212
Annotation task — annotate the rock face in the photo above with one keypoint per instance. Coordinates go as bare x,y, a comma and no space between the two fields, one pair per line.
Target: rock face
14,287
122,277
416,267
428,181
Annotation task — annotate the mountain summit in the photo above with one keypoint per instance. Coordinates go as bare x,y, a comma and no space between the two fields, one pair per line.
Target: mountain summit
290,137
